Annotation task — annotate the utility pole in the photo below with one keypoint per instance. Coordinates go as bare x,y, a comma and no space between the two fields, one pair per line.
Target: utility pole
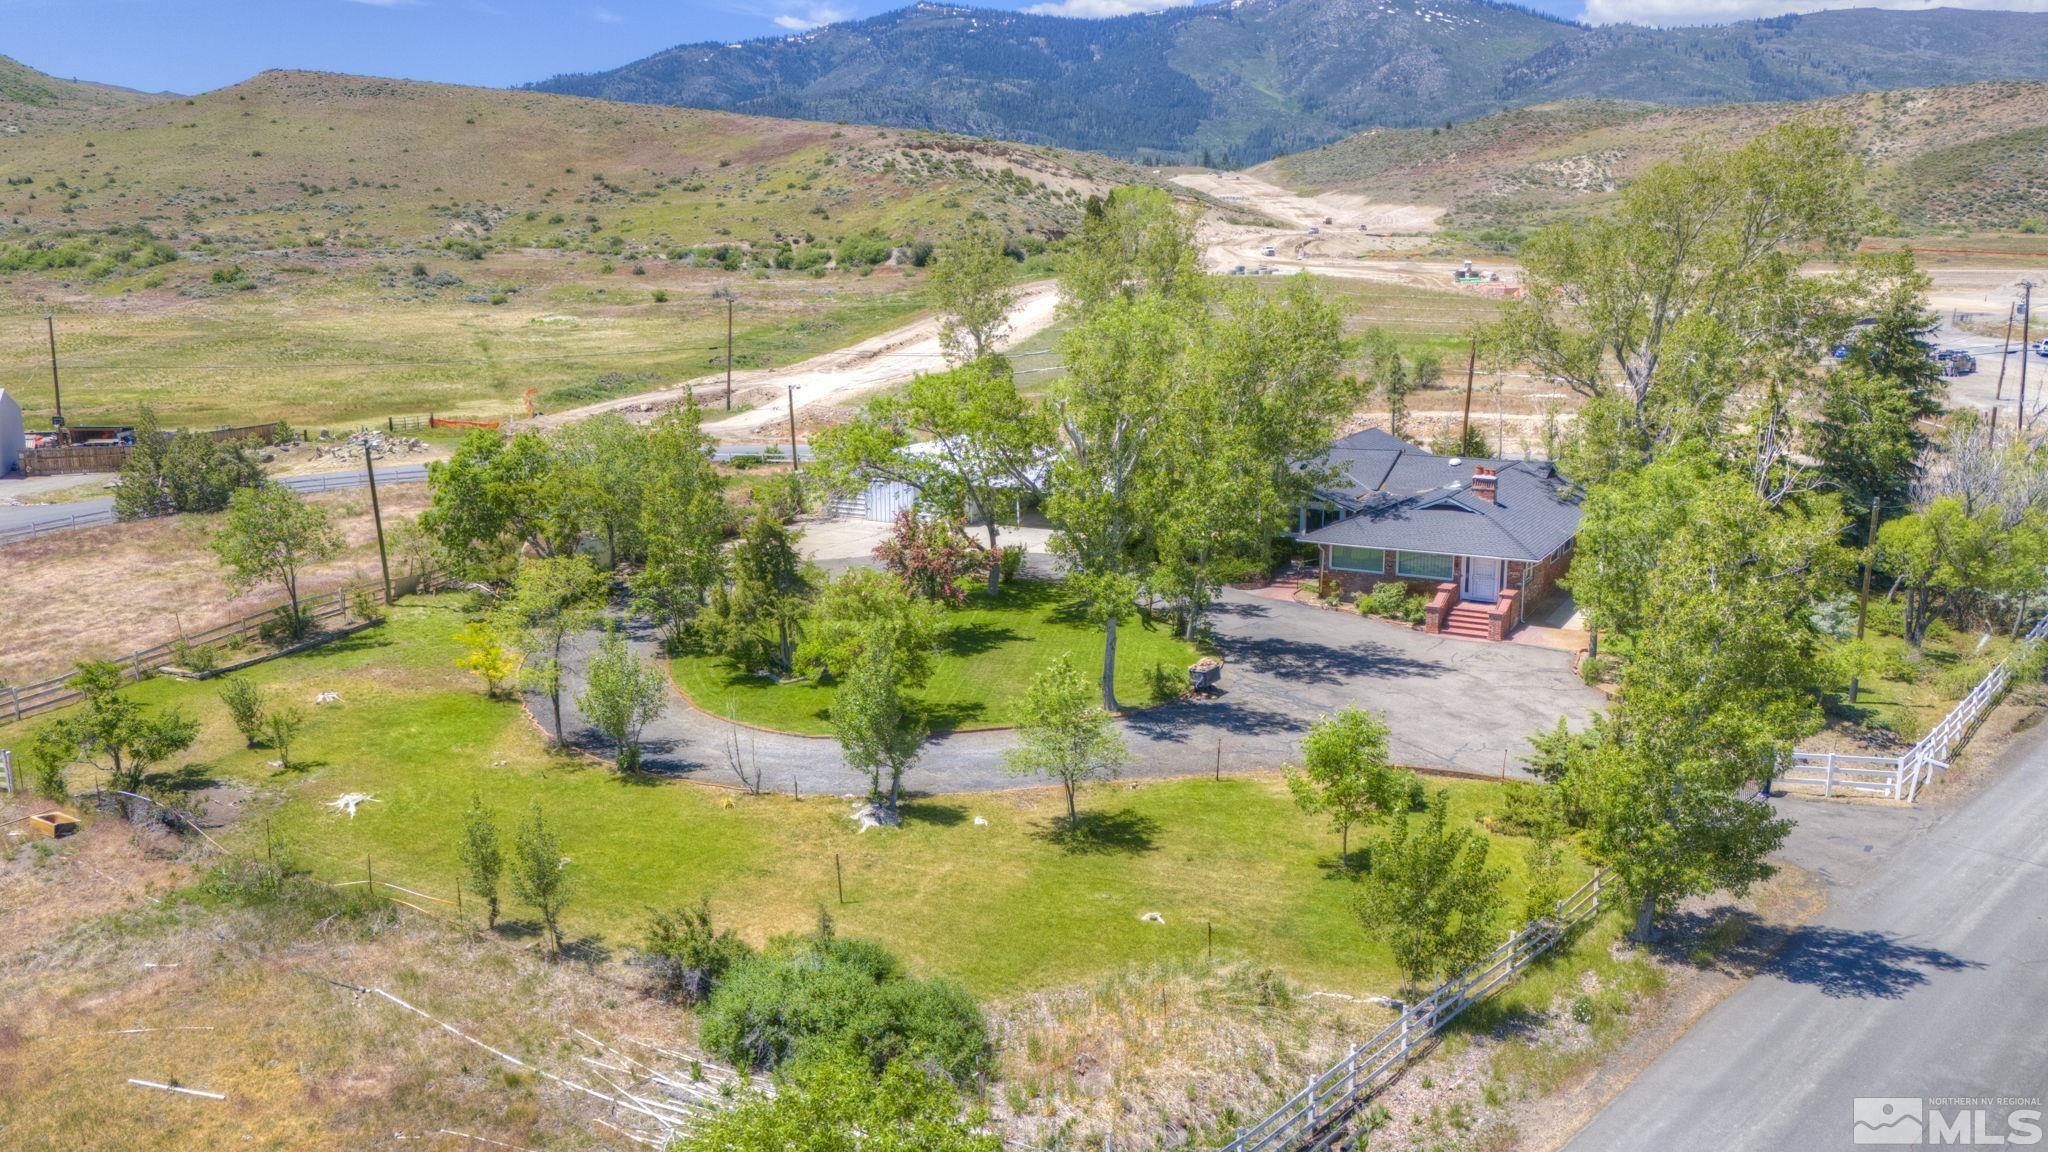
2026,345
730,297
377,514
794,464
1471,366
2005,355
56,390
1863,600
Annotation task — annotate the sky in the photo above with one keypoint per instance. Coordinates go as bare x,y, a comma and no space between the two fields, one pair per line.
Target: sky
195,45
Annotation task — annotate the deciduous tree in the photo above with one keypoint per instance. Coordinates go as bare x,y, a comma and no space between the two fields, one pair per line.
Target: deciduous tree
482,856
551,599
1344,774
540,873
1430,895
1066,736
271,534
621,694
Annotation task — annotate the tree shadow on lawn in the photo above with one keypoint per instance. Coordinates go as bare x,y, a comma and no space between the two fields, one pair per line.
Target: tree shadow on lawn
367,640
933,812
965,640
183,780
1120,833
1347,866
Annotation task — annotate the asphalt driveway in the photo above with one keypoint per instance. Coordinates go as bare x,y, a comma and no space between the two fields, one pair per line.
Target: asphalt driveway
1452,705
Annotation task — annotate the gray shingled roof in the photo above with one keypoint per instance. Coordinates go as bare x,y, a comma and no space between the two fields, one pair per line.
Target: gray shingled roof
1400,497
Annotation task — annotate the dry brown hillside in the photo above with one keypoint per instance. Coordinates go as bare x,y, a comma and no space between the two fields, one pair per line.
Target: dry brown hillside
1970,156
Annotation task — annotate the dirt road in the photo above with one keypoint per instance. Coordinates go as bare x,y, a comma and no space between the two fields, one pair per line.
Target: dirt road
831,378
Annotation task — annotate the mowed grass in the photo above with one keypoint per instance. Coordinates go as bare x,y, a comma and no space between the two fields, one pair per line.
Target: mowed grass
988,653
1002,906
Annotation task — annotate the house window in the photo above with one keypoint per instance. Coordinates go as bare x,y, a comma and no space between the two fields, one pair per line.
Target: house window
1424,565
1349,559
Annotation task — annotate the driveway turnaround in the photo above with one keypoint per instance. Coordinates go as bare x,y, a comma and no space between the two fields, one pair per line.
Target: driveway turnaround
1452,705
1910,1007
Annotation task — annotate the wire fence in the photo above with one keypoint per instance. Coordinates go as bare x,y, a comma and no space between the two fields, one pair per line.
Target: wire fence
1902,777
27,532
20,702
1328,1100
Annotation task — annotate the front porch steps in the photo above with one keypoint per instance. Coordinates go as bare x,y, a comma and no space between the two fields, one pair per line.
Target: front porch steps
1468,620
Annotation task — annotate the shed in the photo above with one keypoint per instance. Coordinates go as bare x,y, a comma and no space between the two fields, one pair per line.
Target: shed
13,438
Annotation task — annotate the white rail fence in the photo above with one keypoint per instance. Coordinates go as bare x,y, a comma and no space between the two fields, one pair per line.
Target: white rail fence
19,702
1310,1115
1901,777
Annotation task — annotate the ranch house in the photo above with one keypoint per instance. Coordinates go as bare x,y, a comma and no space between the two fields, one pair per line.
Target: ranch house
1481,540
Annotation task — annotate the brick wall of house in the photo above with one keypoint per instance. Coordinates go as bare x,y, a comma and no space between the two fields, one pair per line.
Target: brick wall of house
1542,578
1354,583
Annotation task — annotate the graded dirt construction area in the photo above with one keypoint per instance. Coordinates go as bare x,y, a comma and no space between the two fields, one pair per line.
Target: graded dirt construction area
1348,226
102,593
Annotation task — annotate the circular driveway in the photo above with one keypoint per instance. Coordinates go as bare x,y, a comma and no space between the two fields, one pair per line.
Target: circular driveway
1452,705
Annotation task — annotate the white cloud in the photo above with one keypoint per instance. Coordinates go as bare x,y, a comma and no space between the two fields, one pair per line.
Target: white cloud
1667,13
1104,9
805,17
606,16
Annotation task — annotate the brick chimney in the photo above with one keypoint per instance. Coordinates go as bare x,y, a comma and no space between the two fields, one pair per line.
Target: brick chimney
1485,482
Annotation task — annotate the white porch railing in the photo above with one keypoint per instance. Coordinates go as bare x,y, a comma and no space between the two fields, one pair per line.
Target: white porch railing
1901,777
1371,1066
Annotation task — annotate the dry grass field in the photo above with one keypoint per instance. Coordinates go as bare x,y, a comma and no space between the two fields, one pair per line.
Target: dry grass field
101,593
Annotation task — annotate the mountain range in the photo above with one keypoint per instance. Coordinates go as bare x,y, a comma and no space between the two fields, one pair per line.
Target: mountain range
1246,80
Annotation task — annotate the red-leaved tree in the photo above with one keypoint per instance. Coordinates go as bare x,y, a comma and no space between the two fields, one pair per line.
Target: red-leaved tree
932,556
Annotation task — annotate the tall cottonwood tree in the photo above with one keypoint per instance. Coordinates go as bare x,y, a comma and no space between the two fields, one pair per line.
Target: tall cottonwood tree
1662,311
1179,414
1724,675
970,283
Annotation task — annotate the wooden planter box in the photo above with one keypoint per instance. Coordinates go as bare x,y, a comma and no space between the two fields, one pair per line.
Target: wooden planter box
52,825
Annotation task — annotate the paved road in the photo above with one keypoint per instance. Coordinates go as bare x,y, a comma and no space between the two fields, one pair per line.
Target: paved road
86,513
1452,704
56,517
1925,978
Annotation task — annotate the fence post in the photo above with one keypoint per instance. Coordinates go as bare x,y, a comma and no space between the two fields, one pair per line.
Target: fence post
1827,787
7,771
137,658
1404,1031
14,698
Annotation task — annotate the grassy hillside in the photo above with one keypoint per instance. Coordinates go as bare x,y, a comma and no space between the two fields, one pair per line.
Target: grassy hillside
31,101
1962,157
327,248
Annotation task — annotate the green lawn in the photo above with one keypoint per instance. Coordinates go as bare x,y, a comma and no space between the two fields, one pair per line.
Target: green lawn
1001,905
990,651
1906,692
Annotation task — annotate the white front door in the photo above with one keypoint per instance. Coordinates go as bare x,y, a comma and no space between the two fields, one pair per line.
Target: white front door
1482,579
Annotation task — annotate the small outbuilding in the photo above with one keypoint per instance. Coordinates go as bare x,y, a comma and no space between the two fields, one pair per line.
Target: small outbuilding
13,437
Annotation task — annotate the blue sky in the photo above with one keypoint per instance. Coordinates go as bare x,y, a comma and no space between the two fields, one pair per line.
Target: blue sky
194,45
